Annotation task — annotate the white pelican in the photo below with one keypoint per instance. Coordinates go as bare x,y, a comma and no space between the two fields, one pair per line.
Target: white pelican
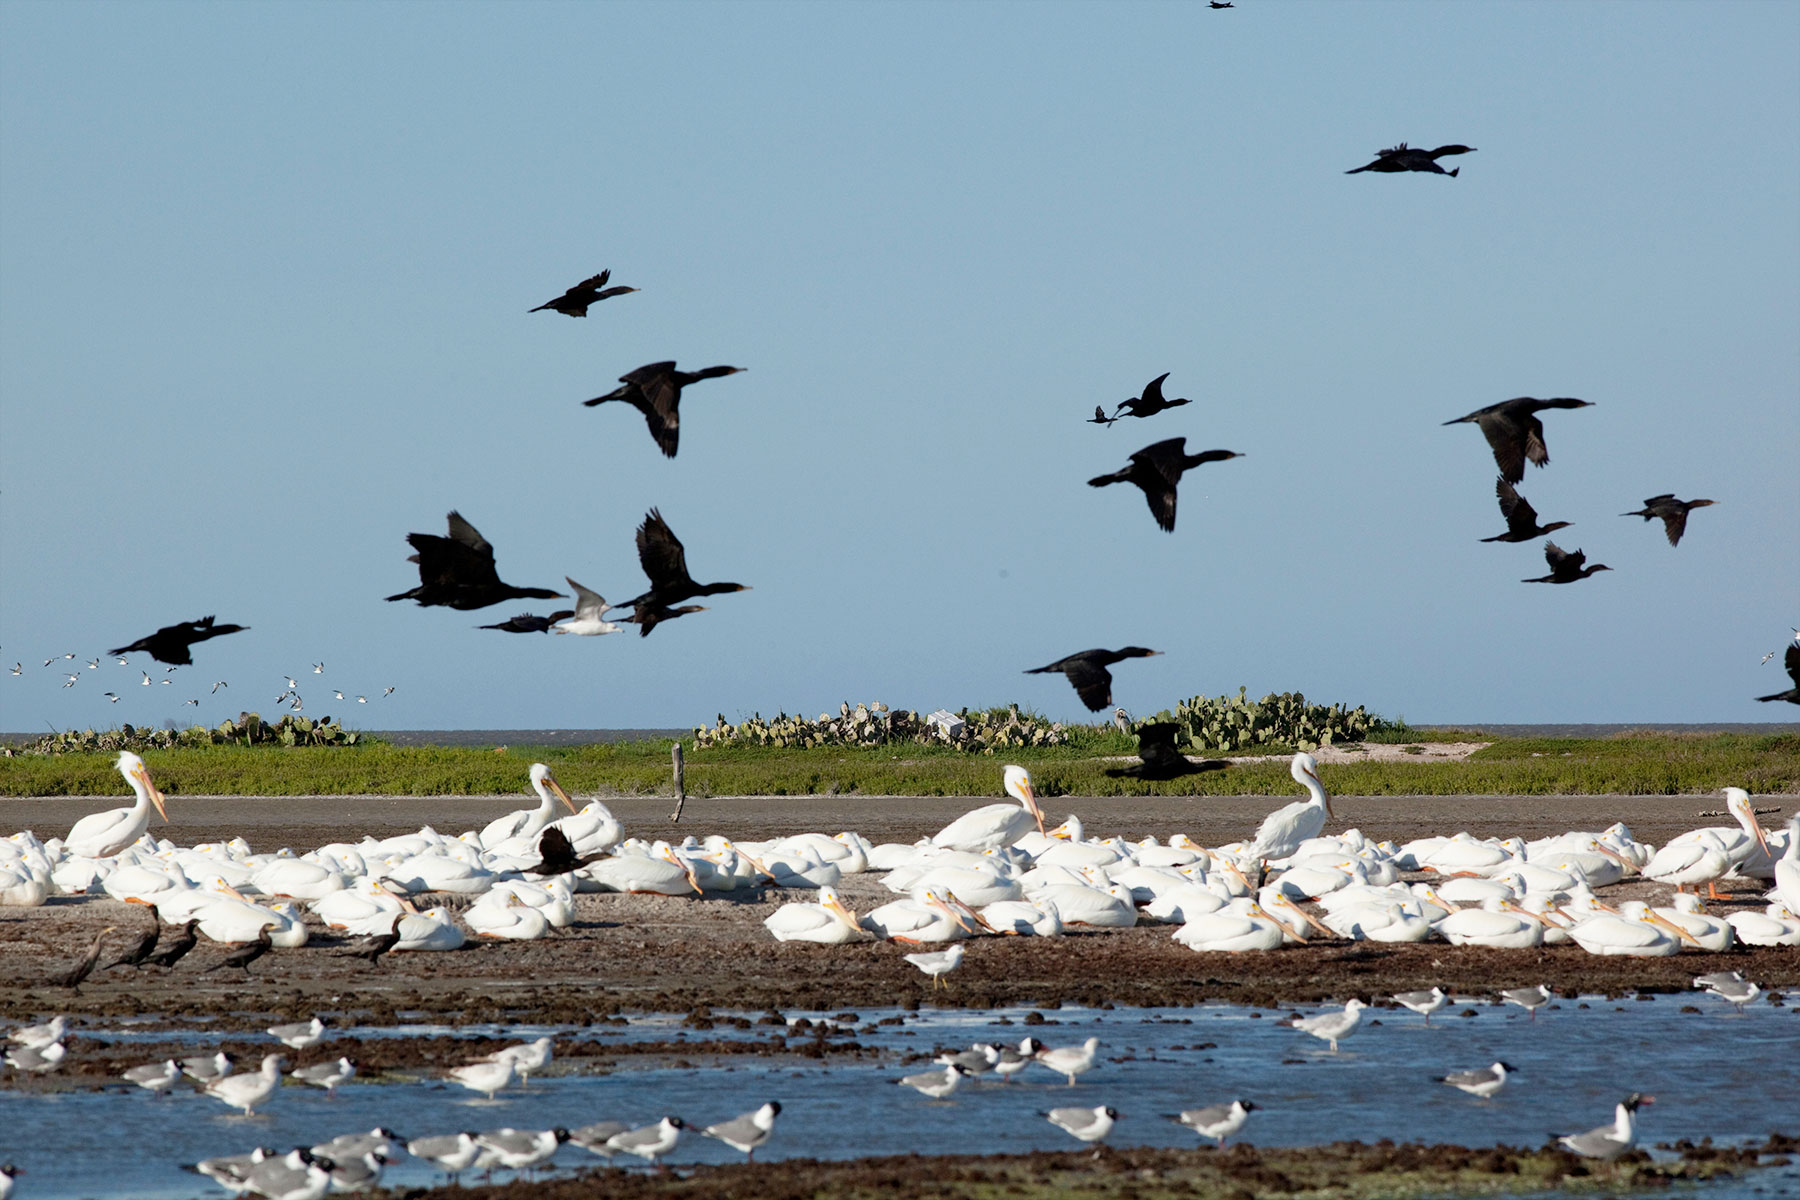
1218,1120
1183,903
251,1088
1689,914
1495,923
487,1076
829,922
368,899
592,829
995,825
1786,869
1284,829
528,822
747,1131
433,929
1029,918
1632,930
1108,907
506,918
938,963
1774,926
649,1142
930,917
1070,1060
659,871
103,834
1686,853
1239,926
976,886
298,879
1333,1026
1087,1124
1609,1141
1483,1082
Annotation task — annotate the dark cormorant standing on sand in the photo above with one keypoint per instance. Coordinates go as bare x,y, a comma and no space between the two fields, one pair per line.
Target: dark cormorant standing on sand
174,951
1674,513
592,290
170,643
1100,417
530,623
1407,158
1088,672
1157,469
664,560
1151,402
72,977
458,571
1792,663
1513,430
1565,567
1521,518
141,949
1160,758
376,945
243,956
655,391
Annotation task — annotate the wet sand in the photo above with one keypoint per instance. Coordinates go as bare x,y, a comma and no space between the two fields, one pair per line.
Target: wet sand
660,954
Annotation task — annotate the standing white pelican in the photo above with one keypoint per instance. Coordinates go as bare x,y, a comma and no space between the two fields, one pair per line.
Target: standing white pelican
829,922
1335,1026
529,822
1610,1141
251,1088
1284,829
994,826
102,834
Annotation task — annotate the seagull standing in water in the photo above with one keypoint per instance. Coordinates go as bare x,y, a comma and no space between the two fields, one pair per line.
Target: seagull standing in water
1482,1083
1088,1124
1610,1141
748,1131
1335,1026
1219,1120
1423,1003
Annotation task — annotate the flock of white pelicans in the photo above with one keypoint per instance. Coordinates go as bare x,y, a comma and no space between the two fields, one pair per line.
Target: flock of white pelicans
994,870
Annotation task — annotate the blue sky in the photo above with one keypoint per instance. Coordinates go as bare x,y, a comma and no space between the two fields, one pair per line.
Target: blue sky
264,273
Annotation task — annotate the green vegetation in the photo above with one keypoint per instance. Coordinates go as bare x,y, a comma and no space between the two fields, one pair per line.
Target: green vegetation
1232,723
249,730
1627,764
877,725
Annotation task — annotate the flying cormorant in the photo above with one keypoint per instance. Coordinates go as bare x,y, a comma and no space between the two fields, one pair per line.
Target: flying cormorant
1792,663
1674,513
592,290
655,391
664,560
458,571
530,622
1521,518
1151,402
1100,417
1157,469
1407,158
1513,430
170,643
1565,567
1088,672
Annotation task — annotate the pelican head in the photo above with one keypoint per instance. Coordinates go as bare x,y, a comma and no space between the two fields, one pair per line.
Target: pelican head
541,780
138,776
1305,770
1018,786
1737,802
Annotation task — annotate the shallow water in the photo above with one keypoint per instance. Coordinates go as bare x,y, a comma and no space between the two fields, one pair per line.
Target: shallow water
1715,1073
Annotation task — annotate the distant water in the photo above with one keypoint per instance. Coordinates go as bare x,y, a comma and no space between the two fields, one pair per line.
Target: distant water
596,737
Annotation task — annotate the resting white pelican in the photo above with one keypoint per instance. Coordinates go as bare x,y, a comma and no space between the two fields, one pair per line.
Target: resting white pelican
1774,926
1689,914
931,917
1630,930
1284,829
829,922
1495,923
995,825
529,822
102,834
506,918
1028,918
1786,869
657,871
1239,926
432,929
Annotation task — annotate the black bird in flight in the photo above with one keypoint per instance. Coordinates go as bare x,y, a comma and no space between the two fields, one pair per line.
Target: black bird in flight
1159,759
1513,430
655,391
1157,469
1220,4
1792,663
1674,513
170,643
140,950
664,560
1088,672
592,290
1151,402
530,623
376,945
1565,567
1100,417
458,571
243,956
557,855
1521,518
72,977
1407,158
173,952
